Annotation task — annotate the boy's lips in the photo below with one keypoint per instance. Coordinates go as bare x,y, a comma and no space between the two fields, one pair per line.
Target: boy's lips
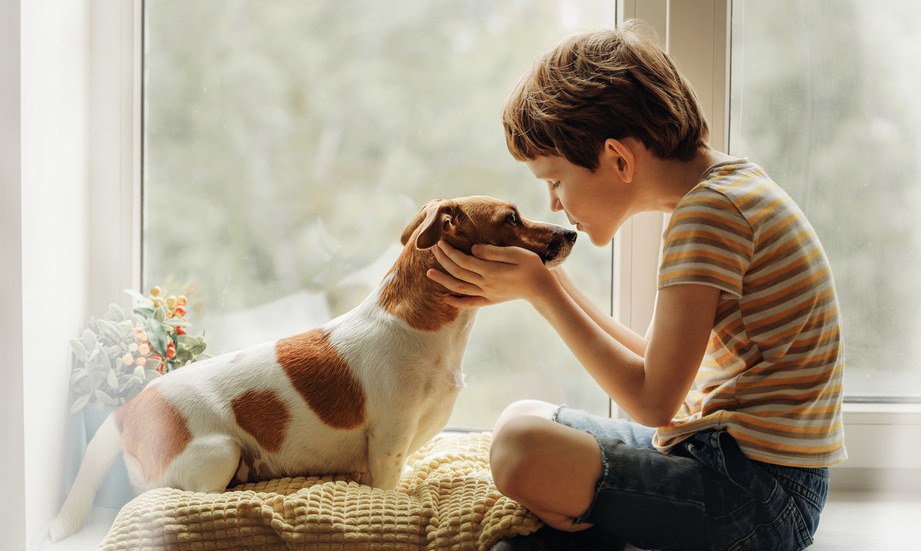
574,222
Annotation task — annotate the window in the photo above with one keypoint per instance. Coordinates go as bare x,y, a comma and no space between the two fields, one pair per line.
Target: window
286,145
825,98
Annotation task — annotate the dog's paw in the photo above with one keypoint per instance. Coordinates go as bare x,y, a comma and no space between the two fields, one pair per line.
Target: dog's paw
62,527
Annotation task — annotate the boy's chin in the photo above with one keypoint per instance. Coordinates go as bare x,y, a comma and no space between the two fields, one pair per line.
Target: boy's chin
598,240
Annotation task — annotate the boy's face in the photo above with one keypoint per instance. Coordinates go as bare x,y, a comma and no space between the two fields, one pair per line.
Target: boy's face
597,203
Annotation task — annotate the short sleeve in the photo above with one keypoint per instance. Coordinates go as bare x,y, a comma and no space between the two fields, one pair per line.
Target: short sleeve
707,241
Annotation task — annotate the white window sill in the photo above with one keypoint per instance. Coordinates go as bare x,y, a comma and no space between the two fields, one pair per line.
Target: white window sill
883,443
94,531
882,414
851,521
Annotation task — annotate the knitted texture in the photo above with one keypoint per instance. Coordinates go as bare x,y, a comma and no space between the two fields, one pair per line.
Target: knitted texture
446,500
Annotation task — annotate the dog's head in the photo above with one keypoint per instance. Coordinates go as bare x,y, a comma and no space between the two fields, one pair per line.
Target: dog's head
465,221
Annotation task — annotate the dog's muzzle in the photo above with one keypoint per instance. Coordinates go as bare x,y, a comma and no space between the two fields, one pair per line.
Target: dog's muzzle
560,246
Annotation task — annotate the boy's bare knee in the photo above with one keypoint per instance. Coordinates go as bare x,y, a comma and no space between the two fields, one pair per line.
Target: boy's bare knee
511,456
525,408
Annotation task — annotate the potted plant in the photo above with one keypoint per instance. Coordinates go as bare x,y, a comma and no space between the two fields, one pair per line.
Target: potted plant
115,358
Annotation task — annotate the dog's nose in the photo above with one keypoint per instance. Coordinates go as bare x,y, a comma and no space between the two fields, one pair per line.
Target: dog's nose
570,236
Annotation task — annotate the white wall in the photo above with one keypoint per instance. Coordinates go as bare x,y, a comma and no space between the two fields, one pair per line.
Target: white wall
54,87
12,460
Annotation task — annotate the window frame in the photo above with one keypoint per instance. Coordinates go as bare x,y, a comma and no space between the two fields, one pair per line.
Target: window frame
695,32
116,132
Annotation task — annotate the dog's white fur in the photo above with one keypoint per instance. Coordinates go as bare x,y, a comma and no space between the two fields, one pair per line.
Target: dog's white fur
402,345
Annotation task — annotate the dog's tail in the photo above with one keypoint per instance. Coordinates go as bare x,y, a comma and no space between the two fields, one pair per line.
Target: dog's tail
101,452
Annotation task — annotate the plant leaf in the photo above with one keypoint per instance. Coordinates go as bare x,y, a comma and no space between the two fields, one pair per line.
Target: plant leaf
112,379
80,351
125,328
114,313
94,355
156,335
104,398
144,312
135,295
89,339
80,403
108,330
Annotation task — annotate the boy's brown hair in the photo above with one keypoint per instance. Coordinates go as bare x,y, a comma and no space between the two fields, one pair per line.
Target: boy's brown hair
606,84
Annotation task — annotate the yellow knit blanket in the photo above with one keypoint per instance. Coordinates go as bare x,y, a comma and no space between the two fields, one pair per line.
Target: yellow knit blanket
446,500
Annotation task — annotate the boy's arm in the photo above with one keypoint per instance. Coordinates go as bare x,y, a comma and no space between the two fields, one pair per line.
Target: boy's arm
629,338
652,387
649,387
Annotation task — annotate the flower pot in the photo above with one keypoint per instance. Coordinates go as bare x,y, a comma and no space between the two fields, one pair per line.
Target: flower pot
115,489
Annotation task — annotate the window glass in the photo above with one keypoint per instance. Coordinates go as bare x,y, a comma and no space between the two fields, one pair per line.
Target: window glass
287,144
824,97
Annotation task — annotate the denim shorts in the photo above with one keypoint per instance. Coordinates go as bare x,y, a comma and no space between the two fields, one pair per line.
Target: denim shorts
704,494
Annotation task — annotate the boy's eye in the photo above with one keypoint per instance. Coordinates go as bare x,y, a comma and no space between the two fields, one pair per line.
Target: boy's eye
554,185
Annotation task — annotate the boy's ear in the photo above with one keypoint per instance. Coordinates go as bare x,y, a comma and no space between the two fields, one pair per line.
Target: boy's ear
622,156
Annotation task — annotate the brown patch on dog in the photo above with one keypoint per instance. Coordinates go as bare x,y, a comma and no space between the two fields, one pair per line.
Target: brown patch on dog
153,431
413,297
323,378
264,416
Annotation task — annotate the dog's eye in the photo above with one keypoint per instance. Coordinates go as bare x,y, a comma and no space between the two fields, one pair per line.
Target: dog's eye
512,219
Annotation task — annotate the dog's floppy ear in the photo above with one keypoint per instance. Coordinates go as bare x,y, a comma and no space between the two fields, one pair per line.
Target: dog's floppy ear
417,219
434,218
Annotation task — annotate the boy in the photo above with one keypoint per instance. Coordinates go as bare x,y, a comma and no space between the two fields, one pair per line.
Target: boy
740,372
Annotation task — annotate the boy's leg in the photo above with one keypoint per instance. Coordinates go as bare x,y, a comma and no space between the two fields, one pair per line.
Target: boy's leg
549,468
574,470
705,494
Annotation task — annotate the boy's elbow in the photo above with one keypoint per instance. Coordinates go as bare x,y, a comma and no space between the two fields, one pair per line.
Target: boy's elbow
653,420
656,415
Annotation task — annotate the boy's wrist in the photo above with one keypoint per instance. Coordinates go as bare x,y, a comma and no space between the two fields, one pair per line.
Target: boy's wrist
545,292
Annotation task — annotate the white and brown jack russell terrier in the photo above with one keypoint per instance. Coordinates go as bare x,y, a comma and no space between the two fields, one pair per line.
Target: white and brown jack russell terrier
357,395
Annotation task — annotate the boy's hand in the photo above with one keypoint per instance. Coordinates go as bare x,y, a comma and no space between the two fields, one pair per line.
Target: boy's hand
490,276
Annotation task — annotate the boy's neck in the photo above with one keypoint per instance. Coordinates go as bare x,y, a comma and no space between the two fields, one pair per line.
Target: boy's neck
673,179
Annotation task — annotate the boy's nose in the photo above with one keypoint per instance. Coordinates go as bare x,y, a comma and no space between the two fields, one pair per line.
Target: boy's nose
555,204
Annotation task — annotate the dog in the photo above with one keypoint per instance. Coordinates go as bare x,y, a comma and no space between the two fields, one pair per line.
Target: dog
356,395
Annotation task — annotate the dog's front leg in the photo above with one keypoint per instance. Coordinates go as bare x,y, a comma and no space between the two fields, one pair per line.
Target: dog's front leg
387,448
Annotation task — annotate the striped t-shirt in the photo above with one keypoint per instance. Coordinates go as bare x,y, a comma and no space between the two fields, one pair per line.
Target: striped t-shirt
772,372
